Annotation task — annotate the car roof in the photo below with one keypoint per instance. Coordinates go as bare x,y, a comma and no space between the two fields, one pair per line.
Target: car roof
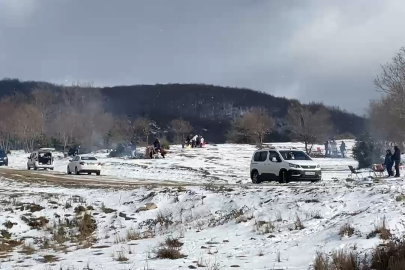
278,148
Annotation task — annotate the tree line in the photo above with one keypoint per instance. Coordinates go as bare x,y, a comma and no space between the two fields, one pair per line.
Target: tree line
37,114
72,116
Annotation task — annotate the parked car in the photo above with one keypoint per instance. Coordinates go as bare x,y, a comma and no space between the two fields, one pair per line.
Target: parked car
84,164
41,159
283,165
3,158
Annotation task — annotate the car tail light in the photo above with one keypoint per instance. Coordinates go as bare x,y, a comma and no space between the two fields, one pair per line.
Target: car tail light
82,163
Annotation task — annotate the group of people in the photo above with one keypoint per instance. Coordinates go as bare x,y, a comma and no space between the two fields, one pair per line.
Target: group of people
194,141
155,149
331,148
393,160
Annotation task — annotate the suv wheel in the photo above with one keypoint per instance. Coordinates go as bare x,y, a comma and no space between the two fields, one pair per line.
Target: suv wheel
283,177
255,177
28,167
68,170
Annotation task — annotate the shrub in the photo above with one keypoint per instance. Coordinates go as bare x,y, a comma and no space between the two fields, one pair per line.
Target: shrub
87,225
169,253
382,230
298,224
164,144
346,230
389,256
366,151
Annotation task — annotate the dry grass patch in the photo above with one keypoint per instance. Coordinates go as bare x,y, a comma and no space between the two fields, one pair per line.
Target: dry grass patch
340,260
120,256
169,253
49,259
298,225
27,249
164,219
133,235
173,242
87,225
382,230
390,256
265,226
170,249
9,224
346,230
107,210
400,198
9,245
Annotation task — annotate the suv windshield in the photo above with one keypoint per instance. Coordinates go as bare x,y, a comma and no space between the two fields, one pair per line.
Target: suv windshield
2,153
294,155
89,158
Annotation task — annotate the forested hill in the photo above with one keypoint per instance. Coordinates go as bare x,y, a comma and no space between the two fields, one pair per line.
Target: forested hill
208,108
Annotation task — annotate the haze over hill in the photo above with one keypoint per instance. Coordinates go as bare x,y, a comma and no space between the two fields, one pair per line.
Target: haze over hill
210,109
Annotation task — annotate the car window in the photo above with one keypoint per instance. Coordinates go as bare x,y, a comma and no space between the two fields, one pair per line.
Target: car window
294,155
89,158
274,154
2,153
263,156
256,156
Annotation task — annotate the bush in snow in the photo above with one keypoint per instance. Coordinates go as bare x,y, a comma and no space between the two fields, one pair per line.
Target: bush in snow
366,151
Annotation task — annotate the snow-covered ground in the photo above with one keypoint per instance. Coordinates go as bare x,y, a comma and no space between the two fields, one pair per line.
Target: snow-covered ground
245,226
223,164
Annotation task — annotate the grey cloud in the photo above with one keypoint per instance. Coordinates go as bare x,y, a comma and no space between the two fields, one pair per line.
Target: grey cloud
310,50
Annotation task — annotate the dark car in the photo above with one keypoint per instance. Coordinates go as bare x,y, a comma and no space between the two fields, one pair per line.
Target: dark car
3,158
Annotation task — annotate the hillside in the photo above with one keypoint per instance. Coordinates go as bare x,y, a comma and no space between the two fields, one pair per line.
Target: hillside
209,108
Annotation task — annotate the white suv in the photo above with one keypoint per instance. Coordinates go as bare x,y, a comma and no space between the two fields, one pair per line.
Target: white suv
283,165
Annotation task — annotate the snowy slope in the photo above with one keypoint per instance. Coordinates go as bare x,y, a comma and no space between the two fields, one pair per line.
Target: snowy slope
241,226
217,225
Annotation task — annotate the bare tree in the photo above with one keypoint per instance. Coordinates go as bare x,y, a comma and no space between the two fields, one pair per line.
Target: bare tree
7,108
28,125
307,126
387,115
180,128
143,127
252,126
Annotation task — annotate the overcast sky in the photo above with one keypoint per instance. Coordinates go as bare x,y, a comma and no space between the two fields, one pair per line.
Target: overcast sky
315,50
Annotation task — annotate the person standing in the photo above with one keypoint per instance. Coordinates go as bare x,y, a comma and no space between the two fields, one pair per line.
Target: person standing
326,148
343,149
388,162
396,158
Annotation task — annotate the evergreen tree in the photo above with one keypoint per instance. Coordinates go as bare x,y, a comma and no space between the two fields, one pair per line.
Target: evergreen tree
367,151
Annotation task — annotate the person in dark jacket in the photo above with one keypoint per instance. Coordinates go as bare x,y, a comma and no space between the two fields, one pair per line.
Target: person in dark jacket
343,149
396,158
156,145
326,148
388,162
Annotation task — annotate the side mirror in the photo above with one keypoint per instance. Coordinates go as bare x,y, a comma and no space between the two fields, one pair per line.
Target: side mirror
273,159
28,157
70,160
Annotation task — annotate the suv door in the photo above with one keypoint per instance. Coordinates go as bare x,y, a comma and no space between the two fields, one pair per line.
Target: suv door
259,159
32,159
275,164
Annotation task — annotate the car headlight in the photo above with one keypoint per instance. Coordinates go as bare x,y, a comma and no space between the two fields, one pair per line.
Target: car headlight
294,166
